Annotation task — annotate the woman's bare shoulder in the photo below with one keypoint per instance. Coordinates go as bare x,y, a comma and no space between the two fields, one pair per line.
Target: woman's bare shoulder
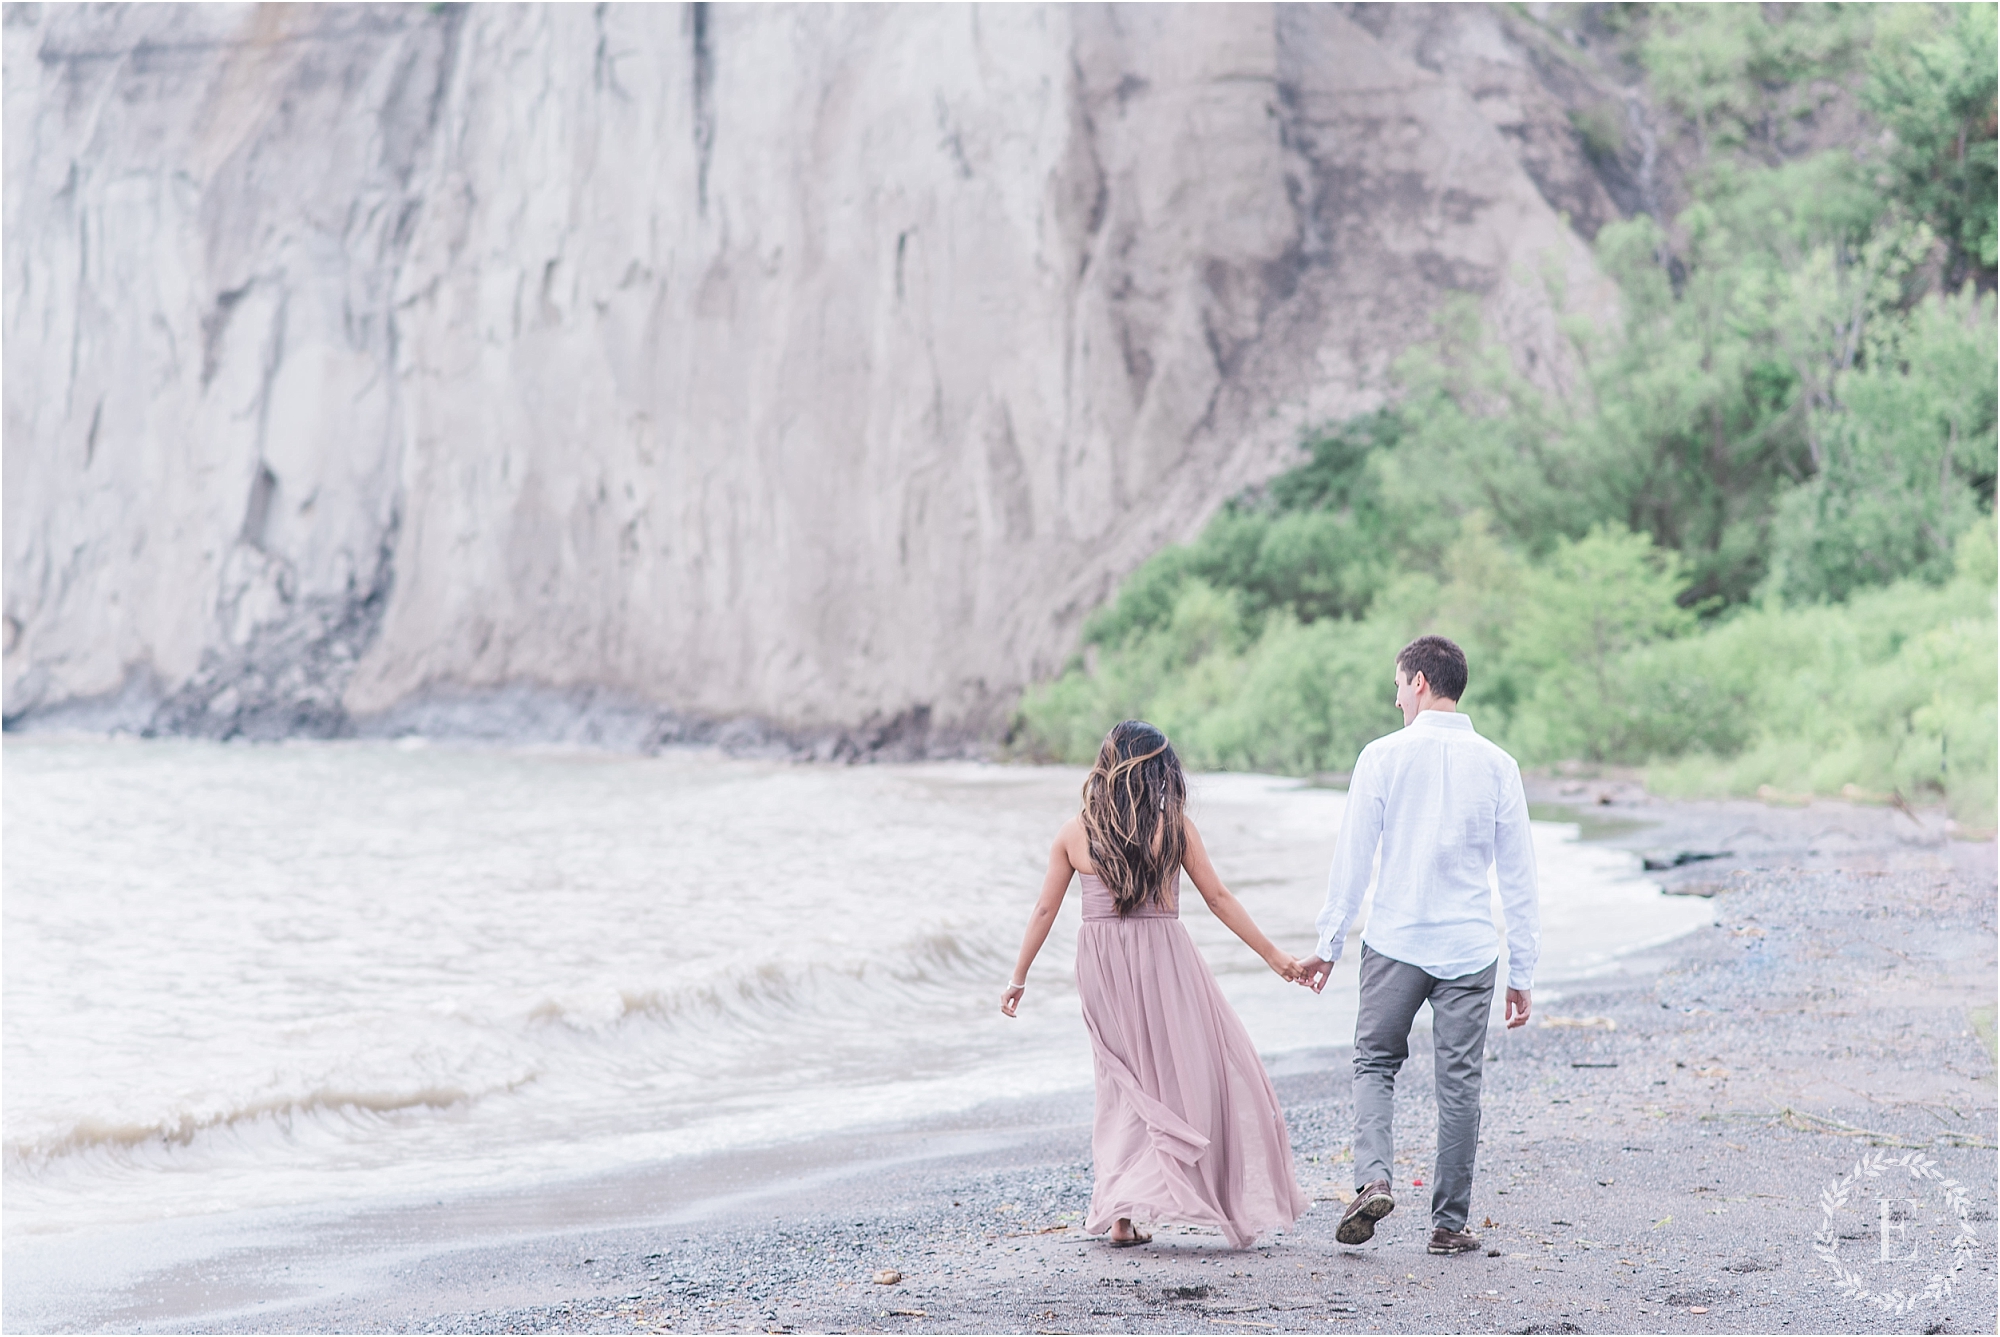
1073,840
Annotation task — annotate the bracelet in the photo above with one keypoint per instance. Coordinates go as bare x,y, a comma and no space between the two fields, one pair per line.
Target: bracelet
1022,985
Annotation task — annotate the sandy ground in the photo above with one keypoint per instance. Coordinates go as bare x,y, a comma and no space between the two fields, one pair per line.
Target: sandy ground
1662,1162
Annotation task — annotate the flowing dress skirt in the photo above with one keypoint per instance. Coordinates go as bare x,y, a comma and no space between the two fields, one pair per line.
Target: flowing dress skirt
1188,1127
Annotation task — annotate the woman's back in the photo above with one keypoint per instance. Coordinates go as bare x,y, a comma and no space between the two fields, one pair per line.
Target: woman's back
1098,902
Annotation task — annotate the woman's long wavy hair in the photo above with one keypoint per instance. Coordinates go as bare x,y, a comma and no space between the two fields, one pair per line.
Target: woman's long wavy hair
1134,800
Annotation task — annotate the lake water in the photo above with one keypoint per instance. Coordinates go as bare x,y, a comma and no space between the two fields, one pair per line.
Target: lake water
342,974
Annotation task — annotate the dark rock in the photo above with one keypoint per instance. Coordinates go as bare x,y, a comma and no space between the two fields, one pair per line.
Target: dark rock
1661,862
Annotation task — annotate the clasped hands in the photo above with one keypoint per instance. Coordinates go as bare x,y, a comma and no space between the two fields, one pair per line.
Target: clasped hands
1311,973
1289,967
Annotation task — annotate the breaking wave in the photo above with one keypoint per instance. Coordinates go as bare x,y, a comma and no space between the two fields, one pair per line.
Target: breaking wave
280,1114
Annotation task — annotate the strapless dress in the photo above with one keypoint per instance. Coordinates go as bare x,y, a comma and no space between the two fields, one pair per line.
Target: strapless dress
1188,1127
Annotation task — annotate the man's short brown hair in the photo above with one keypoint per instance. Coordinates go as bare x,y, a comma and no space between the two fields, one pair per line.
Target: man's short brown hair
1440,661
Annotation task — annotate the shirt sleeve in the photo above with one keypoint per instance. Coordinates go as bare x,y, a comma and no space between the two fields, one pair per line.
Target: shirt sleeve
1353,859
1514,867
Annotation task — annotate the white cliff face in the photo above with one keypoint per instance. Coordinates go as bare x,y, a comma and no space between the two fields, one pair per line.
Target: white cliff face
824,366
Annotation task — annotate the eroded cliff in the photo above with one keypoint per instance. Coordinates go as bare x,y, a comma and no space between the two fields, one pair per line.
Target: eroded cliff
624,371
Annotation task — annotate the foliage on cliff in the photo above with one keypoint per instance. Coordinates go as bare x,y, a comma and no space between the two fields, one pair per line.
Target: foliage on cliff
1753,546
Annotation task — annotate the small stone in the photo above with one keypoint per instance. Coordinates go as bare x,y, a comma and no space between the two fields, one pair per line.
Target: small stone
887,1276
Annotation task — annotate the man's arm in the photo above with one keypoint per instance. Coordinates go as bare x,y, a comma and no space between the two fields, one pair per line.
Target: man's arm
1514,867
1347,879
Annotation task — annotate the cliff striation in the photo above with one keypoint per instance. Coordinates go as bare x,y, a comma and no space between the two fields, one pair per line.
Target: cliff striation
625,372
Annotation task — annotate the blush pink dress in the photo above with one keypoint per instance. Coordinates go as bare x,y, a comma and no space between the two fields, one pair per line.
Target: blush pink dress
1188,1126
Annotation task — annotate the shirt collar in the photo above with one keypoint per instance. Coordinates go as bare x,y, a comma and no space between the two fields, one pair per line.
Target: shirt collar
1445,719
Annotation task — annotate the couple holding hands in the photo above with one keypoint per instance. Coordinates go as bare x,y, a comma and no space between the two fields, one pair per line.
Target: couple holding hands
1187,1126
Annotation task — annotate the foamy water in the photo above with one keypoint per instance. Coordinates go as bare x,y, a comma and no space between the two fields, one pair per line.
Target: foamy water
324,974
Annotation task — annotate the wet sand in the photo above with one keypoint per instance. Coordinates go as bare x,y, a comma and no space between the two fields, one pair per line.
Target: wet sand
1658,1167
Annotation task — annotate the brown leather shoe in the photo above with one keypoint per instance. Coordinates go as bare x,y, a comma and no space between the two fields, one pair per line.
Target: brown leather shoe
1371,1204
1453,1241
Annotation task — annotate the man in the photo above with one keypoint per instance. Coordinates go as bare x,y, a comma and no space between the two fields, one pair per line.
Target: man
1444,805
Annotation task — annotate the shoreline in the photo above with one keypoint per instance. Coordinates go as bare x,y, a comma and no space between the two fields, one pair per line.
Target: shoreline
516,715
1753,1066
600,721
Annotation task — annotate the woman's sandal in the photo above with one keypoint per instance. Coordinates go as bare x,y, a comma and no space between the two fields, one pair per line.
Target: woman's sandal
1136,1238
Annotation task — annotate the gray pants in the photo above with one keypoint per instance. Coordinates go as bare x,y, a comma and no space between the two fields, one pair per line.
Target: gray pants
1391,993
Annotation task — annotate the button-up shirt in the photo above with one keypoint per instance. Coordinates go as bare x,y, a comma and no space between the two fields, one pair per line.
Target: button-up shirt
1444,805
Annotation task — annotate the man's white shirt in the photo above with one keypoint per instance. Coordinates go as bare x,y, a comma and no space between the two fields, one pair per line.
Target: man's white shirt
1445,805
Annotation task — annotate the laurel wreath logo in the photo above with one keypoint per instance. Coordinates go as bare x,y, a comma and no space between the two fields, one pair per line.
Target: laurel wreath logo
1826,1243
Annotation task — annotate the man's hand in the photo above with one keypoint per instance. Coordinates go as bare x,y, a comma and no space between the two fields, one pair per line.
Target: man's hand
1517,1008
1313,973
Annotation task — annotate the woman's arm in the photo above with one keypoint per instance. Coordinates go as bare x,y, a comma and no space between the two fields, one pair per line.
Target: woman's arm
1230,910
1042,918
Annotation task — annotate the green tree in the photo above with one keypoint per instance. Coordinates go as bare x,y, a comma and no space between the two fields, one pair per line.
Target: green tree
1931,80
1593,602
1746,76
1317,542
1909,458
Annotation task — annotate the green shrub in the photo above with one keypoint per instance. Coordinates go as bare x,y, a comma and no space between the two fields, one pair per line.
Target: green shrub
1583,613
1890,693
1588,656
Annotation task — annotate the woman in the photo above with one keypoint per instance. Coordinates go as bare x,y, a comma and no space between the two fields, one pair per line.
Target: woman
1188,1127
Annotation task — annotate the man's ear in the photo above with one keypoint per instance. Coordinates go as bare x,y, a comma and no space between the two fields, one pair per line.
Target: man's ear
1419,683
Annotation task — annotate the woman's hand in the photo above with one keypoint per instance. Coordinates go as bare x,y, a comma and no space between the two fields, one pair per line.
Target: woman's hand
1012,998
1285,964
